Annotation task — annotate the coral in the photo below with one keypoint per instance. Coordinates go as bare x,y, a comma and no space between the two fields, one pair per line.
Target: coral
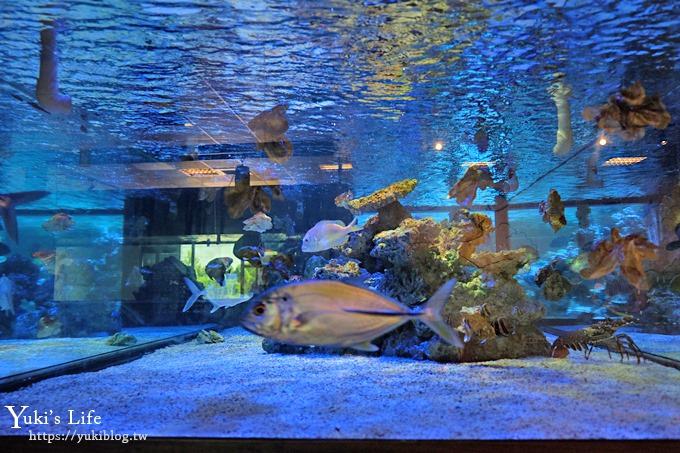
662,312
269,128
465,190
560,93
209,337
556,286
386,202
408,288
628,112
552,211
383,197
505,263
260,222
470,229
121,339
627,252
335,270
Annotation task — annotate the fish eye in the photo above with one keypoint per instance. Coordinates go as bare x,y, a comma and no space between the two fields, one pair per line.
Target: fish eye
259,309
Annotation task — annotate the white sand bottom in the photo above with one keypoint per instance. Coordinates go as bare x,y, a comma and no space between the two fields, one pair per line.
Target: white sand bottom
235,389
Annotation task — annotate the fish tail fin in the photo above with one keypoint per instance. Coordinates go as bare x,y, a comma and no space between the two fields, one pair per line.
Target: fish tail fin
353,225
195,294
432,316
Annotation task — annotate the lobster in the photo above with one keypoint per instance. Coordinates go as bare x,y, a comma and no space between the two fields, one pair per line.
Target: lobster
602,334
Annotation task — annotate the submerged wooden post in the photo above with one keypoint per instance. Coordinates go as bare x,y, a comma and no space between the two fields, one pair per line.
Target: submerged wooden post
502,222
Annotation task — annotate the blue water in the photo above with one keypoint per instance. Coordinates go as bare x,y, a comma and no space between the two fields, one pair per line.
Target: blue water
374,86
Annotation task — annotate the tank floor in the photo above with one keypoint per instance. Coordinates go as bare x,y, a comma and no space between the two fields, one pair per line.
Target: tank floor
19,356
235,389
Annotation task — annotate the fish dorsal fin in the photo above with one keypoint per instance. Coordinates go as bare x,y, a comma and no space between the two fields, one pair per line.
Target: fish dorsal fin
330,222
365,346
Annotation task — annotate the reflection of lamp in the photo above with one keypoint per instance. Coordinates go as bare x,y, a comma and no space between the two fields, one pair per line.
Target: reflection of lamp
242,176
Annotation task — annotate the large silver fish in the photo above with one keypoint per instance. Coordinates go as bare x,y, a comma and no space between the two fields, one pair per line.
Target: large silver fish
332,313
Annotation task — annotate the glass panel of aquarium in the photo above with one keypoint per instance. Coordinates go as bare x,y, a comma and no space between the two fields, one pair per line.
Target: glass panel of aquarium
340,220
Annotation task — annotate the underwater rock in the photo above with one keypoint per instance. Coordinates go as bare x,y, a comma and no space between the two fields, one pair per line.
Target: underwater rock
505,263
121,339
406,341
26,325
415,250
274,347
335,270
408,245
165,293
359,244
408,288
312,264
209,337
25,277
510,312
662,313
48,326
529,341
277,270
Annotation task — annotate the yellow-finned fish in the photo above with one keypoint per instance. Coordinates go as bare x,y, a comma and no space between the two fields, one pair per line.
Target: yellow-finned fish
332,313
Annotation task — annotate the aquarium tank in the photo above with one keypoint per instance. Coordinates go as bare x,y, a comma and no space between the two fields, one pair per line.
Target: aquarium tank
334,219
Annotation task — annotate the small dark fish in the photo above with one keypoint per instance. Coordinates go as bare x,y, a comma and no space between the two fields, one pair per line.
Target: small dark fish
671,246
217,268
249,252
674,245
482,139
